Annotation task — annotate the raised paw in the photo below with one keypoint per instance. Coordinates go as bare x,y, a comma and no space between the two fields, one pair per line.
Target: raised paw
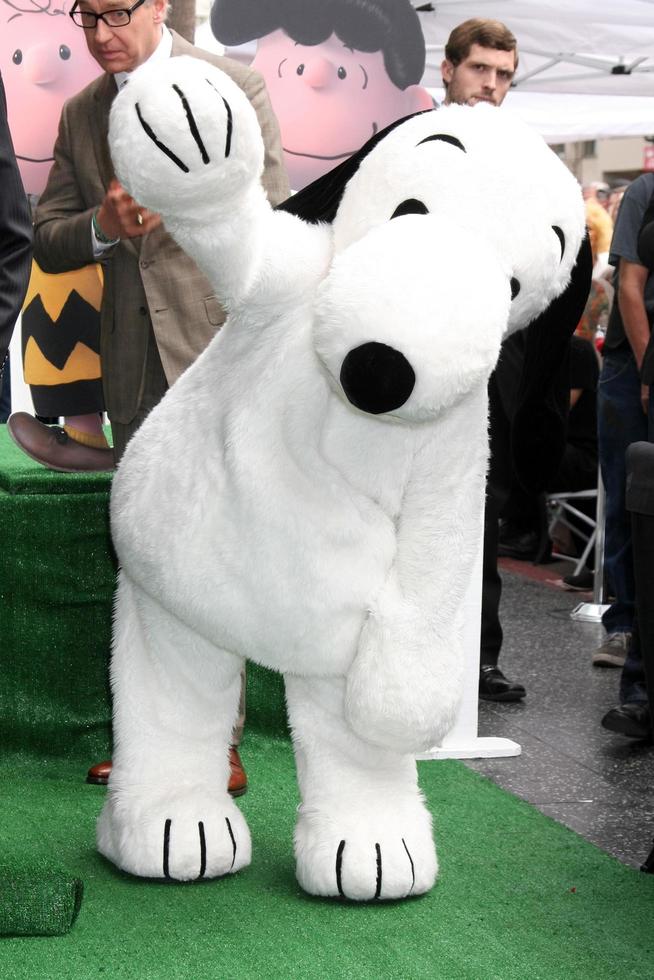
364,859
182,133
184,838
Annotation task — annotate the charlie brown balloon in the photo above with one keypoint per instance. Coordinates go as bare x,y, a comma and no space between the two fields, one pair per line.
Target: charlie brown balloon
44,60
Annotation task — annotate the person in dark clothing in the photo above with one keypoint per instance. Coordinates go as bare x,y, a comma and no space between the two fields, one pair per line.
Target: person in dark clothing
15,237
632,716
622,410
525,415
521,530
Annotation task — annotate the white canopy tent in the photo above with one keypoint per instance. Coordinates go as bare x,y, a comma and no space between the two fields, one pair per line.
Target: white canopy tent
568,118
586,66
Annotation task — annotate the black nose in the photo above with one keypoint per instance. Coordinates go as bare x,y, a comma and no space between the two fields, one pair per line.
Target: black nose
377,378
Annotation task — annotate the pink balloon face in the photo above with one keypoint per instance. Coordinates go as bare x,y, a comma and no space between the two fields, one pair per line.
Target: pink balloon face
329,99
44,60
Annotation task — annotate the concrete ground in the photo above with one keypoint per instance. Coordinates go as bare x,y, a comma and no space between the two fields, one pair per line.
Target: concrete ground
597,783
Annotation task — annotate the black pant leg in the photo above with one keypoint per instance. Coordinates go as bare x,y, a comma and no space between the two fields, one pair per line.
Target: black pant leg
498,485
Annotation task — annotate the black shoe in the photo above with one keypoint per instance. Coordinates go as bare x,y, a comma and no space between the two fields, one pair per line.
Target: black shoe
493,685
522,546
631,720
583,582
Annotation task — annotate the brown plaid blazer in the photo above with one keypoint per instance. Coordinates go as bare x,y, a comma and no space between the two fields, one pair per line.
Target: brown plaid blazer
149,279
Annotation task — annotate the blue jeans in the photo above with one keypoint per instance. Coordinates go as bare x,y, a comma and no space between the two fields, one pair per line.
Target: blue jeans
633,681
633,685
620,421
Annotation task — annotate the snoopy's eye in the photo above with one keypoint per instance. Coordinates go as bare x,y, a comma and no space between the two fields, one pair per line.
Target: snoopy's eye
64,52
410,206
561,237
515,287
17,56
300,69
341,72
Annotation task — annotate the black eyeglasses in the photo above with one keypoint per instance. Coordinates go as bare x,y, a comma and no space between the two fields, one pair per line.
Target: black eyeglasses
112,18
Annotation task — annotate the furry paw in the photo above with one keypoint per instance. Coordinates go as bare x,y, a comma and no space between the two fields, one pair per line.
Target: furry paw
182,133
199,835
363,858
403,690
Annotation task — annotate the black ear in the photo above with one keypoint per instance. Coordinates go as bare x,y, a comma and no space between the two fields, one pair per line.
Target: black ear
540,422
320,200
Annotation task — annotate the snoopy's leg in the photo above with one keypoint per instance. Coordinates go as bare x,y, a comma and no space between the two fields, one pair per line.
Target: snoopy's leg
168,813
363,830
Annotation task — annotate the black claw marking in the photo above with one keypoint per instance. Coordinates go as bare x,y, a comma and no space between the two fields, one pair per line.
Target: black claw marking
379,871
192,125
203,850
413,870
231,834
228,138
157,142
339,868
166,848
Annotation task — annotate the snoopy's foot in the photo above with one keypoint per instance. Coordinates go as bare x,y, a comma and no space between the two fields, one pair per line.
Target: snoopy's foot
365,856
181,837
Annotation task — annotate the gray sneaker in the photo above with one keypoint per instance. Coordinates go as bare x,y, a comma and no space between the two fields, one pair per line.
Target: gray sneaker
613,652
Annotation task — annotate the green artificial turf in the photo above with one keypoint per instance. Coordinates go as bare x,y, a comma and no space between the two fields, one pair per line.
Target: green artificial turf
519,896
39,897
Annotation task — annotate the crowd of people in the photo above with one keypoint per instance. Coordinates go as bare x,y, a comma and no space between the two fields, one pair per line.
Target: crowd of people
158,313
617,412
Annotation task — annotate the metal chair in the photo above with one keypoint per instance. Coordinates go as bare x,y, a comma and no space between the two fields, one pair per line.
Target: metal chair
560,508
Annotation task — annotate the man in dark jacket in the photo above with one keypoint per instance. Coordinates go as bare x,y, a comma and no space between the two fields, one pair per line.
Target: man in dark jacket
15,237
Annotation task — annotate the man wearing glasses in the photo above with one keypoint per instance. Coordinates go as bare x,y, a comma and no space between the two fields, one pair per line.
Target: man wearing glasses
158,310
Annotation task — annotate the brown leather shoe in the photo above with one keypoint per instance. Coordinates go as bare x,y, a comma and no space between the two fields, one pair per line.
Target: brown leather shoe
238,781
52,447
99,773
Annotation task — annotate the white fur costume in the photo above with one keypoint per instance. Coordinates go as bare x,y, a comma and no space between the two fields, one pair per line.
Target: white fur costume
259,514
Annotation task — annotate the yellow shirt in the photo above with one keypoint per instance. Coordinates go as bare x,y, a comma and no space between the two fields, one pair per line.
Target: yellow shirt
600,228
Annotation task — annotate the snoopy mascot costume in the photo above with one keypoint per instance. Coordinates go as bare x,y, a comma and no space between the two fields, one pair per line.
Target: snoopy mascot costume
308,494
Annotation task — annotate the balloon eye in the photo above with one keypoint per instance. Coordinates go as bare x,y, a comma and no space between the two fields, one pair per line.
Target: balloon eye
341,72
515,287
300,69
64,52
17,56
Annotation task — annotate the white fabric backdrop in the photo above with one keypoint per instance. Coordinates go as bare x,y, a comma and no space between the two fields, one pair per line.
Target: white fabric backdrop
568,48
568,51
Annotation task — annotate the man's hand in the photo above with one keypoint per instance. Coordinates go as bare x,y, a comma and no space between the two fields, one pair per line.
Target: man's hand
120,216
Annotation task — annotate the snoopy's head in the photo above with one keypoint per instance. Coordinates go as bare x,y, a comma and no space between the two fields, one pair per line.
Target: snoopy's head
451,229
